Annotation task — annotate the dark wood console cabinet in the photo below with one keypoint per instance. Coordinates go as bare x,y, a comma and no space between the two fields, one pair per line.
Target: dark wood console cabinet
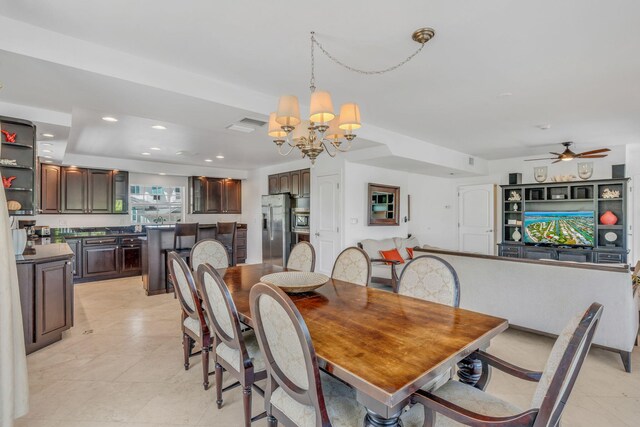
609,242
71,190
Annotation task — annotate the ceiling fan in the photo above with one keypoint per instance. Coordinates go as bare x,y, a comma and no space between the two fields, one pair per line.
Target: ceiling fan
568,155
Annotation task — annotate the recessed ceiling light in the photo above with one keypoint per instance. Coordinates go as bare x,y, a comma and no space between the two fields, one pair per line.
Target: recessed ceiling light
208,160
46,151
48,157
48,135
48,161
505,94
109,119
159,127
162,173
46,144
179,153
544,126
219,157
156,148
146,154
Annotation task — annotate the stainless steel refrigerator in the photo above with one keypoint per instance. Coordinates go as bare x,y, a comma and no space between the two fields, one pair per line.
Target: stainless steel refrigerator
276,229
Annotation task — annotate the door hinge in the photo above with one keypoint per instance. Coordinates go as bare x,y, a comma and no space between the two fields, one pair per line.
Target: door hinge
338,185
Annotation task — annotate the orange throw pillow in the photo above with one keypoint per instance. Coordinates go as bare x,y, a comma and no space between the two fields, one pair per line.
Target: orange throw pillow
392,255
410,252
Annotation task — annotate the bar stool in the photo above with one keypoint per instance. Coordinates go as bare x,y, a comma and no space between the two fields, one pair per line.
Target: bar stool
180,233
226,234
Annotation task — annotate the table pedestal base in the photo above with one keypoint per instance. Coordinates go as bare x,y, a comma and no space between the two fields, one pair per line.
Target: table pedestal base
374,420
473,372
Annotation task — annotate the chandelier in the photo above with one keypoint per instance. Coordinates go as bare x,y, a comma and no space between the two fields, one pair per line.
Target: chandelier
324,131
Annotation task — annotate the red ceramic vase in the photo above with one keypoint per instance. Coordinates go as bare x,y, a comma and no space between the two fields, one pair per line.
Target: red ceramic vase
608,218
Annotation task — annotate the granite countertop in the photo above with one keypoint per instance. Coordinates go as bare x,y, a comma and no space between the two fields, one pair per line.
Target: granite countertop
45,250
81,232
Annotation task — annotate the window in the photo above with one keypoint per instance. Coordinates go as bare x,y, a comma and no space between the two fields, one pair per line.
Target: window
155,204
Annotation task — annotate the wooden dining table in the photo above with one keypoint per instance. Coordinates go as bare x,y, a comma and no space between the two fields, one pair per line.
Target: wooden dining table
384,345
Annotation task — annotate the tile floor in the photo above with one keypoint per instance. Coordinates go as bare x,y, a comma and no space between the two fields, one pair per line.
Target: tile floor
121,365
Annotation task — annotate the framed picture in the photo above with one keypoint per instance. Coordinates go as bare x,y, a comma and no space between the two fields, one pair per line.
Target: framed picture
384,205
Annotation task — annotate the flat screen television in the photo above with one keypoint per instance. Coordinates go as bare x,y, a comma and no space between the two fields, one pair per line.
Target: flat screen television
570,228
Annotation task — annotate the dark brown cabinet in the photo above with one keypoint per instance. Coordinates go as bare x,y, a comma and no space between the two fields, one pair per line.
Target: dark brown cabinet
50,176
83,191
46,298
76,262
130,259
297,183
100,260
215,195
100,191
74,190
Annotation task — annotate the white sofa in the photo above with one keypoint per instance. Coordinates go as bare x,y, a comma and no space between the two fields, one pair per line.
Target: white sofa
542,296
384,272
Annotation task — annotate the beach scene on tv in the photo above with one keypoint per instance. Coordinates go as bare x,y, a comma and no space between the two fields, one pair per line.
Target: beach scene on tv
560,228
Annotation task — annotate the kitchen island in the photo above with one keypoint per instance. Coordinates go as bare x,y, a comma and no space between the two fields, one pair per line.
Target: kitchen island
45,280
160,238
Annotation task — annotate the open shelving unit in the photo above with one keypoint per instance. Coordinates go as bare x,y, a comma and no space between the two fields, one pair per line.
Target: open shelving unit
23,152
586,196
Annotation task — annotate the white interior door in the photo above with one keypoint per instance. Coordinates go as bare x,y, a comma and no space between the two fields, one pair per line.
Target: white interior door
325,222
476,219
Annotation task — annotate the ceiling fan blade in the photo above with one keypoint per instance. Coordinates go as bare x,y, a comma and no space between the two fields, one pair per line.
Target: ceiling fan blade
555,154
533,160
593,156
601,150
559,160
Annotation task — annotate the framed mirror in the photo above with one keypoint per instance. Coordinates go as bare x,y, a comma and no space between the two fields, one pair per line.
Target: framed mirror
384,205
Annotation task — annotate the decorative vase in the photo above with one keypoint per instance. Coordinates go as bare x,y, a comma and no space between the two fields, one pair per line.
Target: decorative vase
19,238
516,235
515,207
608,218
585,170
540,173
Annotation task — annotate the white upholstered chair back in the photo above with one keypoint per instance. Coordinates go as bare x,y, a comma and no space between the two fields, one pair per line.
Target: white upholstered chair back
220,309
302,257
432,279
183,281
289,354
209,251
352,265
563,365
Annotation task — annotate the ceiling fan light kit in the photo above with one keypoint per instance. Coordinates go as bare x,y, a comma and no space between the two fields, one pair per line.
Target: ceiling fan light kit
324,131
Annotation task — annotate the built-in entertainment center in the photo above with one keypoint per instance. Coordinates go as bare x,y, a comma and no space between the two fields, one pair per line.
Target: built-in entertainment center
583,221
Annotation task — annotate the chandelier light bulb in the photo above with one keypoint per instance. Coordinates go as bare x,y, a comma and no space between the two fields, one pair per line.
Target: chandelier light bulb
350,117
288,113
321,107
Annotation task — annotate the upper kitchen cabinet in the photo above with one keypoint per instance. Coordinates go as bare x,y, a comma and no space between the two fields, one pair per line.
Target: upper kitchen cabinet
297,183
17,164
83,191
215,195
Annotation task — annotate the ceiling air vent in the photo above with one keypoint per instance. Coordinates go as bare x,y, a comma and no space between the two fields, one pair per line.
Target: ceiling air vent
471,161
246,125
252,122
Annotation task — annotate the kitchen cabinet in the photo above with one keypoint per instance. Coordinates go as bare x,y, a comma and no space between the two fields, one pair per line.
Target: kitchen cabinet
100,257
100,191
130,256
74,190
76,262
215,195
50,176
297,183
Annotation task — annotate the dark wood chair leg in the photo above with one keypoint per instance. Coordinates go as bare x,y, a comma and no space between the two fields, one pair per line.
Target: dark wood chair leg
626,360
186,347
219,385
246,402
271,421
205,365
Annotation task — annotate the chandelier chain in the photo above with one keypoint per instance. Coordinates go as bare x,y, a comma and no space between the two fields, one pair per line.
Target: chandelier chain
312,83
314,41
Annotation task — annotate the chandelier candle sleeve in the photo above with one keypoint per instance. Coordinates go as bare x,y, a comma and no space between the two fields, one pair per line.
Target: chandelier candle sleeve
288,113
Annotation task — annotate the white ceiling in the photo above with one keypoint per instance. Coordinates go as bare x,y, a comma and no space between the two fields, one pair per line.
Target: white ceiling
571,64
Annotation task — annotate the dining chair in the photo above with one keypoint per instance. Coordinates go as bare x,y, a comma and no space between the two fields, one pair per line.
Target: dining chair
432,279
297,394
302,257
352,265
208,251
226,234
182,231
459,404
236,351
194,326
